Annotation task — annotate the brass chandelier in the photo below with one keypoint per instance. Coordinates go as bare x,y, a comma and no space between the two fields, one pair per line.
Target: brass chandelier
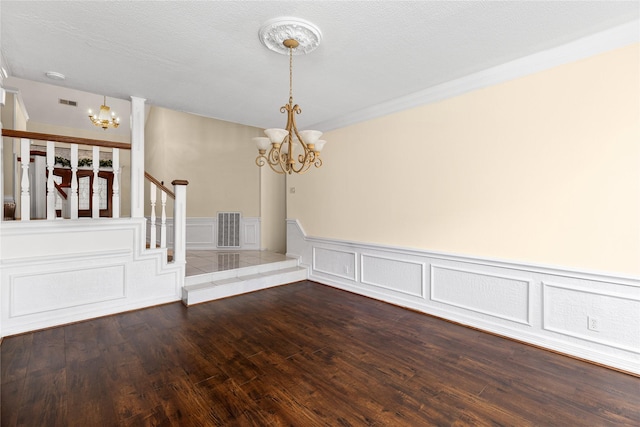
282,143
105,118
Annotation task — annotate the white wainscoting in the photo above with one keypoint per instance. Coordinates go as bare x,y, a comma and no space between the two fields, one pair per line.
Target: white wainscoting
57,272
545,306
202,233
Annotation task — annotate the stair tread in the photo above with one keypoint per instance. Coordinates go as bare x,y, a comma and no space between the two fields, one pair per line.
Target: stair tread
242,278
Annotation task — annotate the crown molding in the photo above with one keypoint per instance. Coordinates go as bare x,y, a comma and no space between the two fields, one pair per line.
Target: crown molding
585,47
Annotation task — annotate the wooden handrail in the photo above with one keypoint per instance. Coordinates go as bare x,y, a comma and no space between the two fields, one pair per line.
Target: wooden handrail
11,133
159,184
60,190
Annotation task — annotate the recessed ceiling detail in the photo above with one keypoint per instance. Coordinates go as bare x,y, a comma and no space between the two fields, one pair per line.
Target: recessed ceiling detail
277,30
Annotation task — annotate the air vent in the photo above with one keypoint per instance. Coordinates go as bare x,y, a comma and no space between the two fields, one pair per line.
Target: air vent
68,102
228,229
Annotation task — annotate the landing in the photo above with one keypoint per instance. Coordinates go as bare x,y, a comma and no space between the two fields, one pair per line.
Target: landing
211,261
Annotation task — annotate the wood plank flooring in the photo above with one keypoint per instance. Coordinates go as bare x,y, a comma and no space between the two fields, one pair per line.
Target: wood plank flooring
298,355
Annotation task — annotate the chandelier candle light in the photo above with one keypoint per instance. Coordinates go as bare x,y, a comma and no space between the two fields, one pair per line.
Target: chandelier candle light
105,118
284,35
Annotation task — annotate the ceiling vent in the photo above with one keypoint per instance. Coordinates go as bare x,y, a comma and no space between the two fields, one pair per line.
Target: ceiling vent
68,102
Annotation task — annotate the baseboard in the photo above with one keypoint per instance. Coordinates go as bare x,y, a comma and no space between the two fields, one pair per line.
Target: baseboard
546,306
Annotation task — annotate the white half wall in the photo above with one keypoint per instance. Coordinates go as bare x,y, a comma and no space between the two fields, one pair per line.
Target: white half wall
202,233
63,271
592,316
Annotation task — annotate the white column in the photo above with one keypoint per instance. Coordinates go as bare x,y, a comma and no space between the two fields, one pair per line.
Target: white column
51,189
137,157
152,229
115,200
95,196
2,165
163,223
180,222
73,198
25,198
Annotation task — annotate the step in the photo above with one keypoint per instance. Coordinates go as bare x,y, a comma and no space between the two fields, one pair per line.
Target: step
241,284
242,271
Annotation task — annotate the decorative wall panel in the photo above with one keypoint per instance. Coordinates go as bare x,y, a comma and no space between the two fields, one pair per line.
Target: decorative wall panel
55,290
499,296
568,309
393,274
335,263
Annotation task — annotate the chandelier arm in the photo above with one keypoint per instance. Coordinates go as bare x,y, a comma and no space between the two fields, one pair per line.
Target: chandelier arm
272,159
273,168
274,155
305,161
260,160
297,110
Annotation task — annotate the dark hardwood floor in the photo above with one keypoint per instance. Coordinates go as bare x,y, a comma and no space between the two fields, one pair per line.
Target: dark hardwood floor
301,355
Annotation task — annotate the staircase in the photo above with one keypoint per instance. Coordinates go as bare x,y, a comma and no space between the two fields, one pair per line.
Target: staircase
221,284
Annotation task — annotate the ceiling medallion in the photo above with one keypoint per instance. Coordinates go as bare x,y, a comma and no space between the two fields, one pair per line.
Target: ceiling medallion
275,31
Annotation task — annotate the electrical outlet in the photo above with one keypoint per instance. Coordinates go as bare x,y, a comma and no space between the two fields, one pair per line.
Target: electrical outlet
593,324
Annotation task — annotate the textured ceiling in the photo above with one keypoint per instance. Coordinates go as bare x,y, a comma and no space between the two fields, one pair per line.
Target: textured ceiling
205,57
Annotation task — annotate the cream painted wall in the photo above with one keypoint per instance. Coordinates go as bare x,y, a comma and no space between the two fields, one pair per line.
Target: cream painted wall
272,211
543,169
216,157
100,134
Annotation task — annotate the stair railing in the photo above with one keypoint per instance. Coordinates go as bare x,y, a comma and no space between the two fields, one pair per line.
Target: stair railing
74,163
71,143
179,215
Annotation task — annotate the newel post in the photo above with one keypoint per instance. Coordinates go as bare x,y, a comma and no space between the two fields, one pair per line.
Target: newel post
180,221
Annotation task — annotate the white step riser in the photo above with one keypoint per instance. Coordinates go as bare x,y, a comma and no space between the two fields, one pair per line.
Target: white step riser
243,271
240,286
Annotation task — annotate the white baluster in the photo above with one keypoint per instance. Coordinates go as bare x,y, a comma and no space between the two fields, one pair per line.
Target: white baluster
95,197
73,199
115,200
51,189
163,224
25,199
152,198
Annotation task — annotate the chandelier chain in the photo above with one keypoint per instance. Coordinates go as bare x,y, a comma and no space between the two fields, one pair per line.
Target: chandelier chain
290,74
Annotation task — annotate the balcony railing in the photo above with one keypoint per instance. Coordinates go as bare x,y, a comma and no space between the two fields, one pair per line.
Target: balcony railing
64,177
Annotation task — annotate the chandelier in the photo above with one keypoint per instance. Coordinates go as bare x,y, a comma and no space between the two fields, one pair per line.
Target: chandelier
105,118
282,144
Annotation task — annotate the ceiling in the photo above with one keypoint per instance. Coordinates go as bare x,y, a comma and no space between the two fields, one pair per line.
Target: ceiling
206,58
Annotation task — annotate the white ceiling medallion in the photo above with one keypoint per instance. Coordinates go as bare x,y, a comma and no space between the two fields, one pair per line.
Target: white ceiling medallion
275,31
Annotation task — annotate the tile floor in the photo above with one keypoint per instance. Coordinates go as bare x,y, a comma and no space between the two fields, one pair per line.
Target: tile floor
209,261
